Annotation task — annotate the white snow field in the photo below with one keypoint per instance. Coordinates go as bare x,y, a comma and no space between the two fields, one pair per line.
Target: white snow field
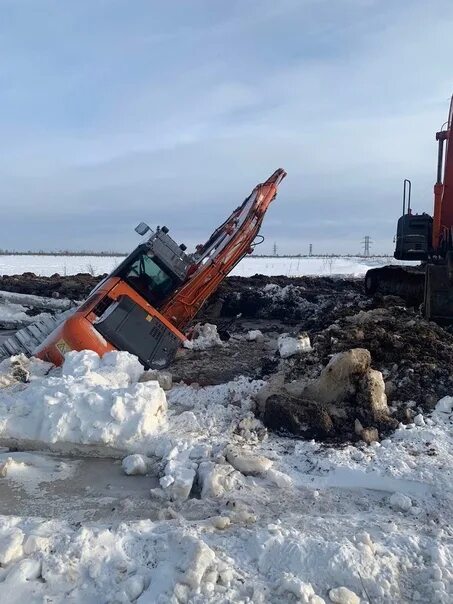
217,510
289,266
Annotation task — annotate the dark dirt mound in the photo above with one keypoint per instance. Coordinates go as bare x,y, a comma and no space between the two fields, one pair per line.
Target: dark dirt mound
75,287
314,301
414,355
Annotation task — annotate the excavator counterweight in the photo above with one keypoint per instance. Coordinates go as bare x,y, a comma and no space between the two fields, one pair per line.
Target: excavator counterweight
145,304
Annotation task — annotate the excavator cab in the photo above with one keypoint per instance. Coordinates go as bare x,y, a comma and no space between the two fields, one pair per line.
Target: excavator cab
155,269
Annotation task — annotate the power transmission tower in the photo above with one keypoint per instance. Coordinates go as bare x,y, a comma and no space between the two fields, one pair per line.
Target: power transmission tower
275,249
366,245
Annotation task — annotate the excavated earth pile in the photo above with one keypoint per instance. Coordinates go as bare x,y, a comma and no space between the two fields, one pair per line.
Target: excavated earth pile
75,287
356,366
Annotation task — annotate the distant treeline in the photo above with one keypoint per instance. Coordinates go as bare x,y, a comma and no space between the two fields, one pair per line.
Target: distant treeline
59,253
122,254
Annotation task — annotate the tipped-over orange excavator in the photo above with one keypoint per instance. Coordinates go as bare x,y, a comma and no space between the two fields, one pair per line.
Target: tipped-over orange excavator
425,238
144,305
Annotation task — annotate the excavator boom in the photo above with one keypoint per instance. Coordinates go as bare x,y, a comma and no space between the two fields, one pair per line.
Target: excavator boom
223,250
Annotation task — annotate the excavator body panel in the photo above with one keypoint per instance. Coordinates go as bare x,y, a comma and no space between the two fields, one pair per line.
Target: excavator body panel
115,317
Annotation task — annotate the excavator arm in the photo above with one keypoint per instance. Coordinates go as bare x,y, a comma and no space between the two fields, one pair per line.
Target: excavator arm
224,249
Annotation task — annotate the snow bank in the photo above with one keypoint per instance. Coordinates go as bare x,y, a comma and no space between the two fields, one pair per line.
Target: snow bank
151,562
94,401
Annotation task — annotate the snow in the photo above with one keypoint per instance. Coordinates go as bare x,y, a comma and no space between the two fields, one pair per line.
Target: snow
343,595
255,335
94,401
288,346
14,316
205,336
235,514
401,502
135,464
15,309
290,266
445,405
47,265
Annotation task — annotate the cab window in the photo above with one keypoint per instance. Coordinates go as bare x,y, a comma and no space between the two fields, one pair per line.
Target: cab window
149,279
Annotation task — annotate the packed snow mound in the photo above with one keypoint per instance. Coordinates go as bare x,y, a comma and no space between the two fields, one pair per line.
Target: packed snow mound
148,561
95,401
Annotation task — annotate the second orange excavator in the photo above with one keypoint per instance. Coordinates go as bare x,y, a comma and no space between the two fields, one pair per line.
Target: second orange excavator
425,238
145,304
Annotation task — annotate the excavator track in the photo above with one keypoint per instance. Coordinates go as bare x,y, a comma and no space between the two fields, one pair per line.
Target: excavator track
27,339
407,282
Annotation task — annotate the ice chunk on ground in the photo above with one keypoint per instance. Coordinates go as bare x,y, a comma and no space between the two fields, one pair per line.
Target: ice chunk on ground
179,479
303,591
11,545
445,405
164,378
199,558
401,502
288,346
343,595
135,464
215,479
205,336
419,420
255,335
247,463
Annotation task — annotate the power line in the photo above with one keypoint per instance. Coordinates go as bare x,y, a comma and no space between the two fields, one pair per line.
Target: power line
366,242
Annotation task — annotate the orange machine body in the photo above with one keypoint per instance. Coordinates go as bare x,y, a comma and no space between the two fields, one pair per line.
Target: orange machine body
155,293
78,332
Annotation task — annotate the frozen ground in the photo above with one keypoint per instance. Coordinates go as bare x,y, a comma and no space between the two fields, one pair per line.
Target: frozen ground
97,265
221,510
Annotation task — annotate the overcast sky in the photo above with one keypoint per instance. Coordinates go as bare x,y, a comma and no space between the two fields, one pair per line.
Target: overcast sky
117,111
